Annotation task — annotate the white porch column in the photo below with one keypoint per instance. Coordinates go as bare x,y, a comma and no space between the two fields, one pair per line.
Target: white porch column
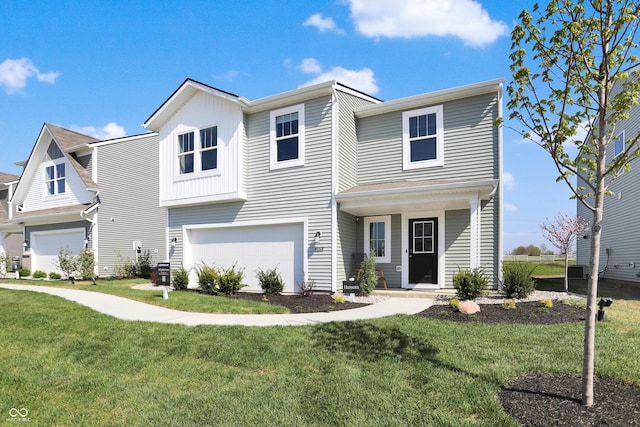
474,238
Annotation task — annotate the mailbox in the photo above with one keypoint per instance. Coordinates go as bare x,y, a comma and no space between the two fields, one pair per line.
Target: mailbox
164,274
16,263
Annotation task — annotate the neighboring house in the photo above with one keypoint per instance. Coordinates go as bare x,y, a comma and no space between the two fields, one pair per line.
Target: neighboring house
78,192
10,233
619,249
306,180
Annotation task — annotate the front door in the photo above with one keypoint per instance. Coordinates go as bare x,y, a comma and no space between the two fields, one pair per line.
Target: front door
423,250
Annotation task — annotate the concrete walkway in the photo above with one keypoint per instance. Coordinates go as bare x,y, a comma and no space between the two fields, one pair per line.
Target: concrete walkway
127,309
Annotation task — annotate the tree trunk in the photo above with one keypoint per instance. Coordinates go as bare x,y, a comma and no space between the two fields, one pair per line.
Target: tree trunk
566,271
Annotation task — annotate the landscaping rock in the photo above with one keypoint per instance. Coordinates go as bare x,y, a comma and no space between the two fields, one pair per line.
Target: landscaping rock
468,307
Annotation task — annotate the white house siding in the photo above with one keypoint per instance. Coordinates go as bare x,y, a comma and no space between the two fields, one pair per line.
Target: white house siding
75,191
129,209
281,194
201,111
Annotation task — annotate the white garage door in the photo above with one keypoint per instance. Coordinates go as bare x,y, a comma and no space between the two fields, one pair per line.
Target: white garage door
45,247
253,247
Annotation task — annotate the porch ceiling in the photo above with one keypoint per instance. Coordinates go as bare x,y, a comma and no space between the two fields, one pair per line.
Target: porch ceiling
407,196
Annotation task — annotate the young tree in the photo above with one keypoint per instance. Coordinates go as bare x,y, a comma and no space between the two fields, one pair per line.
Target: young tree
570,73
562,234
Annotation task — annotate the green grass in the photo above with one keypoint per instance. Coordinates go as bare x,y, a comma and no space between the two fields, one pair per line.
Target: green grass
185,301
545,268
69,365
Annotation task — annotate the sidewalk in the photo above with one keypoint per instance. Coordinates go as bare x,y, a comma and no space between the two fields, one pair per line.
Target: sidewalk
127,309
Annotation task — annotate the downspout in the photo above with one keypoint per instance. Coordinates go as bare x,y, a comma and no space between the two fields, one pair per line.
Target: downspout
500,190
334,189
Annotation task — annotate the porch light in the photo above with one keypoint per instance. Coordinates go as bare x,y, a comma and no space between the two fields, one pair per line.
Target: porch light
25,244
316,238
173,242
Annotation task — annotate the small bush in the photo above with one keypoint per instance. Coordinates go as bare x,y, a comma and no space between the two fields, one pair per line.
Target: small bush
509,304
368,276
470,284
208,278
516,280
143,266
39,274
338,299
86,264
123,267
181,279
454,303
54,276
230,280
270,281
67,262
307,287
24,272
545,302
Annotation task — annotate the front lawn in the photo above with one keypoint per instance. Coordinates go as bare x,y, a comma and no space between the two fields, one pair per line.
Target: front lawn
185,301
68,365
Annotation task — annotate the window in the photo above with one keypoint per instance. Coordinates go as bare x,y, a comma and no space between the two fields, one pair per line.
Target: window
185,152
287,137
423,237
618,144
377,238
209,148
54,179
198,151
422,138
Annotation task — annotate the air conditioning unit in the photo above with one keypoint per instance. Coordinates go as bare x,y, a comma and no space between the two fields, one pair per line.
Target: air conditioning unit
577,272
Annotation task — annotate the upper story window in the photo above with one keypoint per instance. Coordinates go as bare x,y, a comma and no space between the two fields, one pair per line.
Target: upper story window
377,238
54,179
422,138
198,155
287,137
618,144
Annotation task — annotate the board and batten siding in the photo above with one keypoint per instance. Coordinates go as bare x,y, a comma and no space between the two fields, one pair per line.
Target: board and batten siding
280,194
201,111
470,144
128,177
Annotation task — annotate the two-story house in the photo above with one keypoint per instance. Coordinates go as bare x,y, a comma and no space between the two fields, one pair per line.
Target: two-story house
619,249
307,179
78,192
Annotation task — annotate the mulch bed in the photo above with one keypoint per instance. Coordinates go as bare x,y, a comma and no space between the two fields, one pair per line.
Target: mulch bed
316,303
546,399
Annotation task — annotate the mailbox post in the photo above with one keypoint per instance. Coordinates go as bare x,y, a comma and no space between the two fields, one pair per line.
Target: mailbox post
164,278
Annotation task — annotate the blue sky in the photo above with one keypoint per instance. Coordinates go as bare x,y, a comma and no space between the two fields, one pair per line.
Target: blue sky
102,68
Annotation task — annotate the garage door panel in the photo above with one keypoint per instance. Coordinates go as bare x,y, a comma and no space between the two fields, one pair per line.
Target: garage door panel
251,249
45,247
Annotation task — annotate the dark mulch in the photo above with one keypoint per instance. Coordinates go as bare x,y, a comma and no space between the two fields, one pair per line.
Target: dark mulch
546,399
315,303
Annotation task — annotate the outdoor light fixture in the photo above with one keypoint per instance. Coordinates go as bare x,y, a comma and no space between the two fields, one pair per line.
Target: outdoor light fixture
316,238
604,302
173,242
25,244
86,243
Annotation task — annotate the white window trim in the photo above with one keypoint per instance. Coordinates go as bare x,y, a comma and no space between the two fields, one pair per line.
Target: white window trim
197,154
407,164
387,237
624,144
273,162
54,163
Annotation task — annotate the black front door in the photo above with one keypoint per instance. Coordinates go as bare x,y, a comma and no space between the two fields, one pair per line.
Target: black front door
423,250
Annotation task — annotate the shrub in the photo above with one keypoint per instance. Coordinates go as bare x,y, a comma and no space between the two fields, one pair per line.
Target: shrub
123,267
54,276
143,265
545,302
270,281
470,284
516,280
368,275
39,274
509,304
454,303
181,278
67,262
208,278
307,287
24,272
86,264
338,299
230,280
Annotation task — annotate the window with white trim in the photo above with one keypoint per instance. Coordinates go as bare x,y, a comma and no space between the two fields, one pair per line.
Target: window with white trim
287,137
422,138
54,179
618,144
377,238
198,151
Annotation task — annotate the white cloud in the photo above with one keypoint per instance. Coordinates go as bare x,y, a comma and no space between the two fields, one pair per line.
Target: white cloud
362,80
510,207
310,65
15,72
507,180
322,24
110,131
464,19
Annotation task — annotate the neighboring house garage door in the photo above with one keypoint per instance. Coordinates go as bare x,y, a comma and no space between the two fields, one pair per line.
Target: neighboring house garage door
45,247
251,248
